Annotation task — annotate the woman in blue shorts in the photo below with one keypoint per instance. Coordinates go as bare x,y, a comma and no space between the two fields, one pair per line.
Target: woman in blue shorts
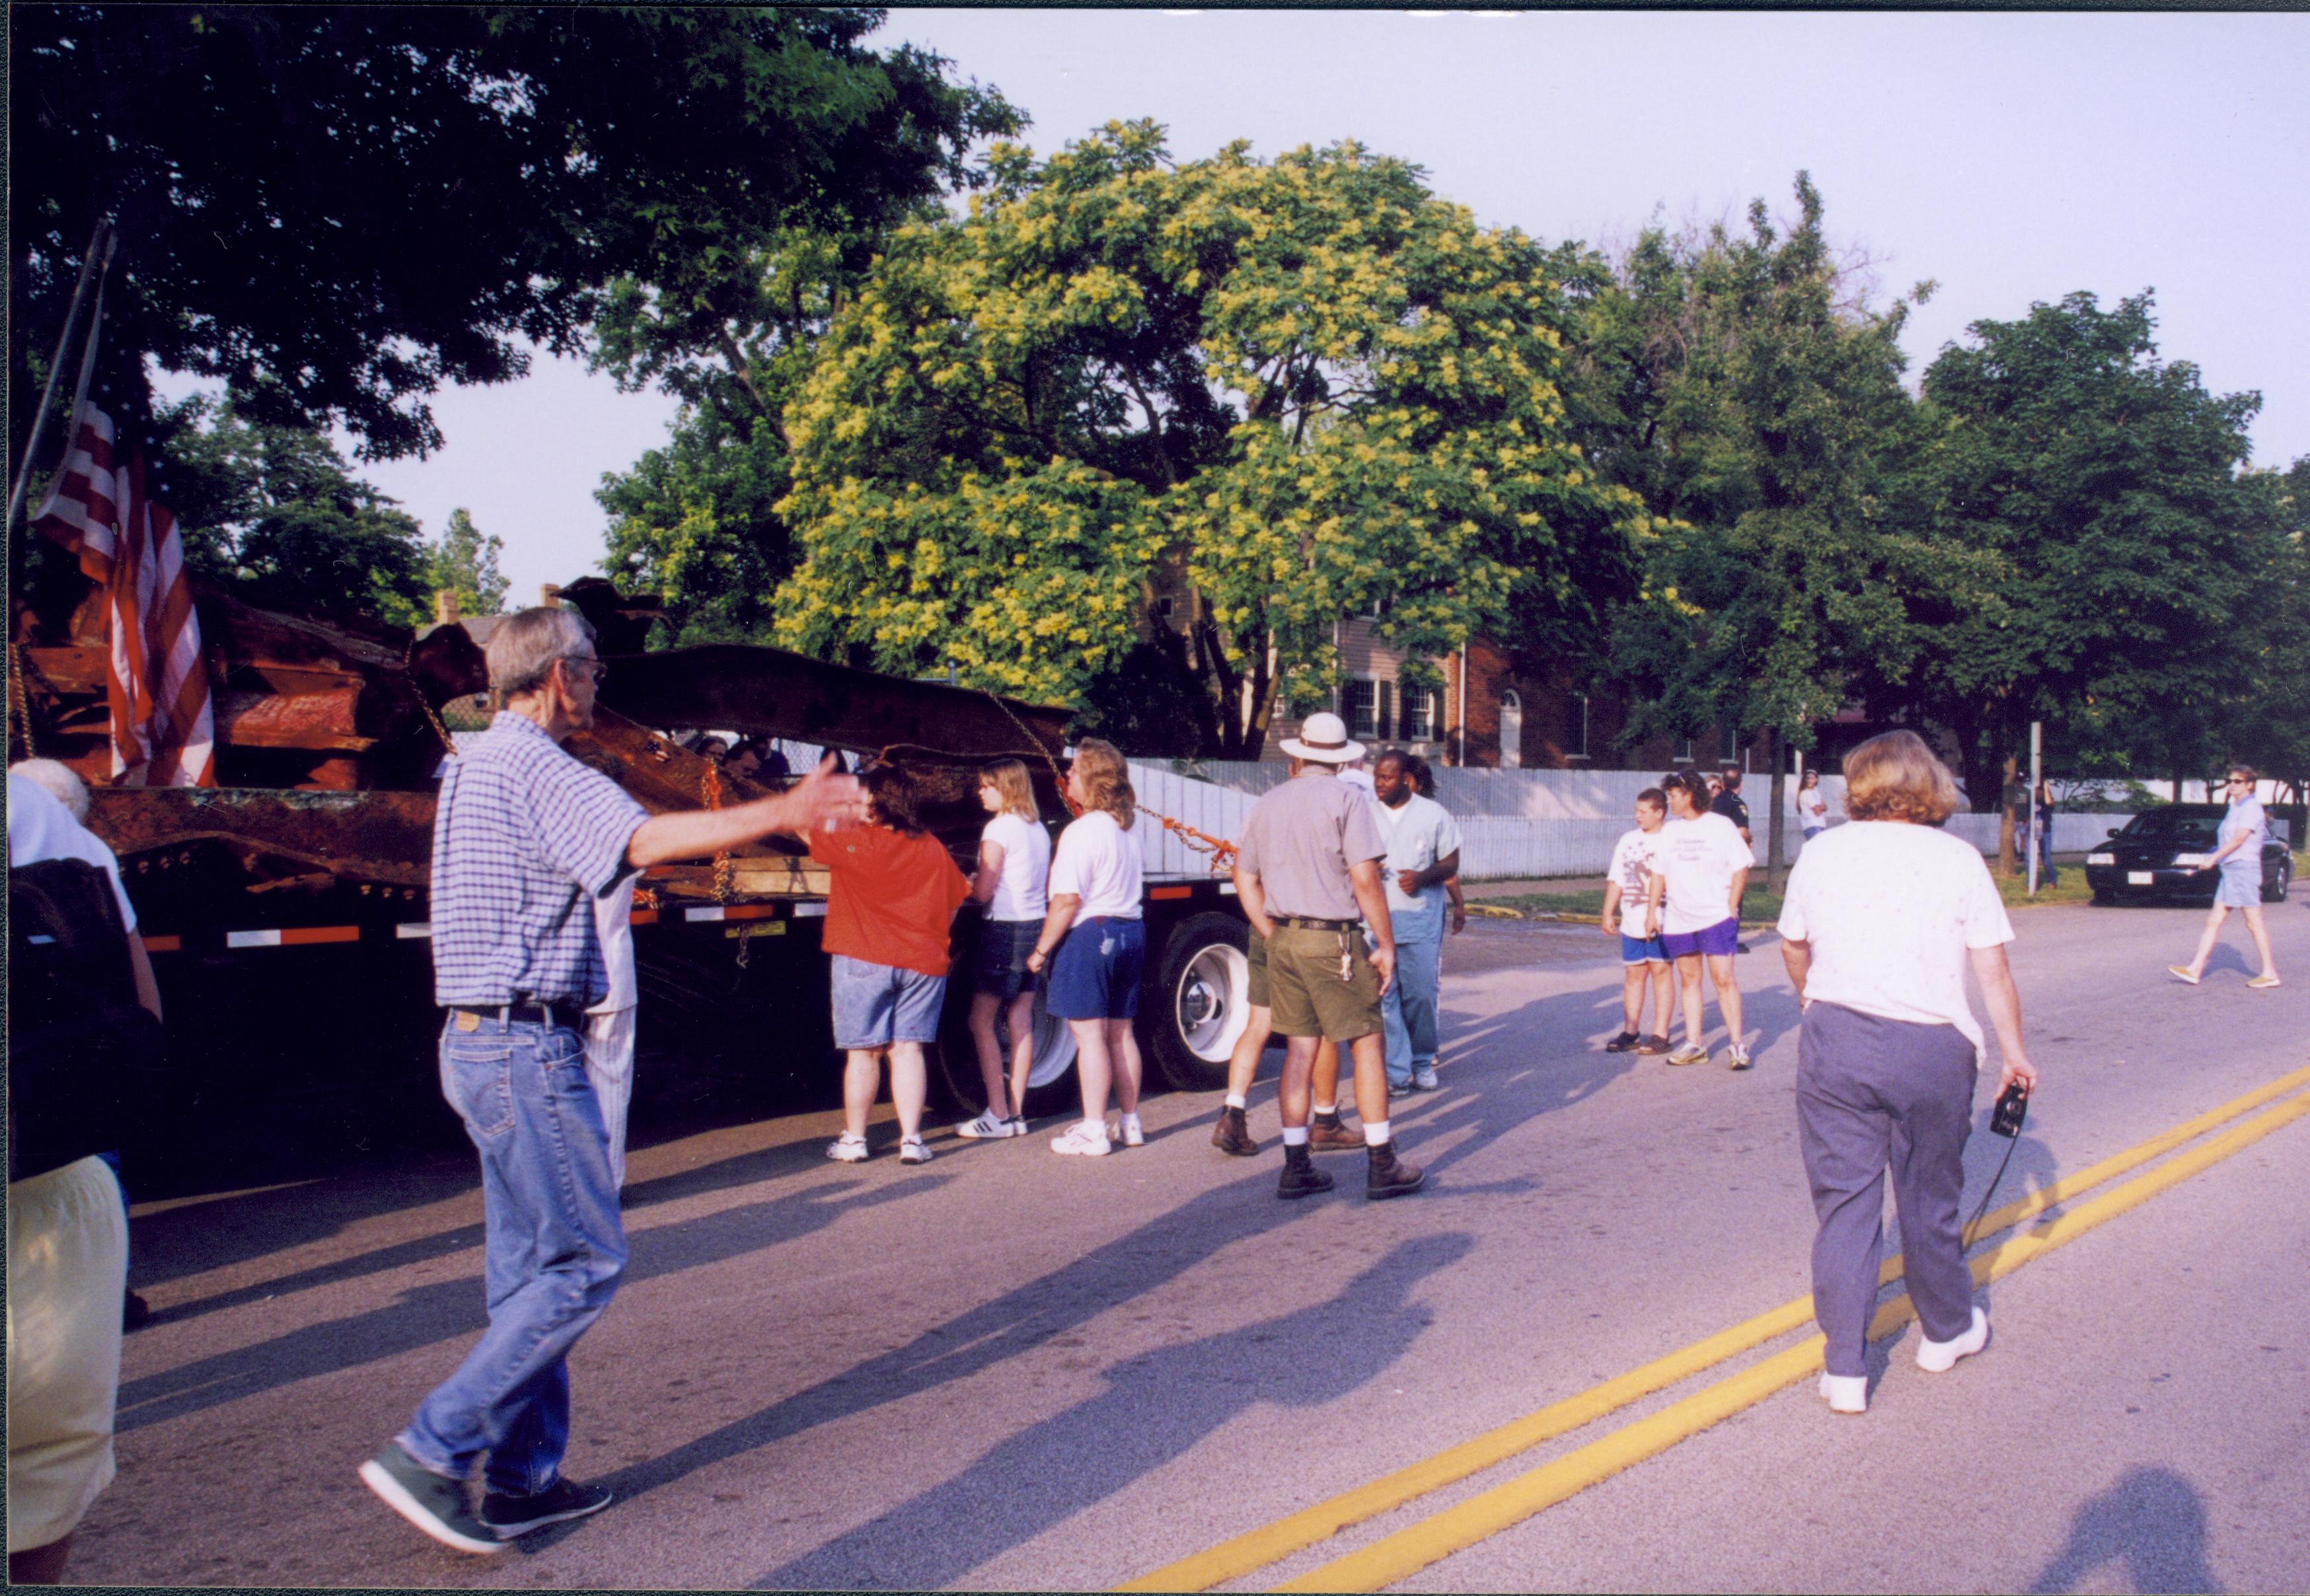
2244,830
1095,970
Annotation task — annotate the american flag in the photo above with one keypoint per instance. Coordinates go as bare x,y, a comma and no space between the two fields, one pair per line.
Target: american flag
163,730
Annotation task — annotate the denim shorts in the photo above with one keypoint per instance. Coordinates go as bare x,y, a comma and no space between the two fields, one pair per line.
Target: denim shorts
1643,949
2240,888
1094,975
877,1004
999,967
1719,940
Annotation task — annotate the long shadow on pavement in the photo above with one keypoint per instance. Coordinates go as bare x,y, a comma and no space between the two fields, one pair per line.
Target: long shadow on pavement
2152,1522
449,1309
1156,1406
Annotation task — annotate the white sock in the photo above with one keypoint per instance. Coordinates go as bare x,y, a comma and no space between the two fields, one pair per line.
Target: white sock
1327,1109
1237,1100
1375,1132
1295,1135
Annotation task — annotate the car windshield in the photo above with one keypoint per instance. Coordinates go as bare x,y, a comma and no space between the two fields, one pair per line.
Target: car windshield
2165,826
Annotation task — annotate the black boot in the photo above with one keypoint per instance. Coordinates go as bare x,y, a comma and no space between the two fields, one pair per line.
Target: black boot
1301,1178
1388,1175
1232,1134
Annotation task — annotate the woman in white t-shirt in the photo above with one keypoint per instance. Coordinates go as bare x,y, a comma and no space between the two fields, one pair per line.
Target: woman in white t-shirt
1093,928
1014,868
1878,927
1812,806
1700,864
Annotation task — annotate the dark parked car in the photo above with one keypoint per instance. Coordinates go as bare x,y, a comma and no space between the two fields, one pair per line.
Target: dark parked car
2159,852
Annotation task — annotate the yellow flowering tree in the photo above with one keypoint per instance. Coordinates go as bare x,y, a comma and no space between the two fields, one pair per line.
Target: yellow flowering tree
1274,394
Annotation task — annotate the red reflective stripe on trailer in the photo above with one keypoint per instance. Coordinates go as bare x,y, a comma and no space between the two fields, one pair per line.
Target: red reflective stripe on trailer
733,911
164,944
642,917
1170,892
297,936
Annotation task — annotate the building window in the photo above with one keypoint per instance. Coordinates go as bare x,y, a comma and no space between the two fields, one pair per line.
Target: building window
1511,731
1683,755
1163,608
1419,714
1732,754
1580,726
1359,703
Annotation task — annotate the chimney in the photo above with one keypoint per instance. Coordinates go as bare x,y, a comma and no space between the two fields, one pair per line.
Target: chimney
549,594
445,605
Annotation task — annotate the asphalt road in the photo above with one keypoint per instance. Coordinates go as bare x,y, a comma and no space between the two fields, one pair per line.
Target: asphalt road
1010,1370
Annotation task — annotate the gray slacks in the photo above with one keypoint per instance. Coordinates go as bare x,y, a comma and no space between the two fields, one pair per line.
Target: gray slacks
1874,1094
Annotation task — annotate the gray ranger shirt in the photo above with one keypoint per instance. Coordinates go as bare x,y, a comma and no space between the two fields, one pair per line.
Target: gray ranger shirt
1301,838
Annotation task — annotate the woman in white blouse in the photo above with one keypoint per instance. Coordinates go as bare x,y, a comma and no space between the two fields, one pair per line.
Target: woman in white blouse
1881,919
1014,869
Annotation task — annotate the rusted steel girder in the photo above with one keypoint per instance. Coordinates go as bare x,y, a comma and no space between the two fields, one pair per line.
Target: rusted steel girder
378,837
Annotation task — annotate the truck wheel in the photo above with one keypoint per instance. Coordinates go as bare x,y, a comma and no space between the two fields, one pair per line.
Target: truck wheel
1192,1013
1050,1080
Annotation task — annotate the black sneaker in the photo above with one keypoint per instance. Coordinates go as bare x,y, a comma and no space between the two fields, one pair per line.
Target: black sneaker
510,1516
1300,1177
1232,1134
1625,1042
1388,1175
435,1503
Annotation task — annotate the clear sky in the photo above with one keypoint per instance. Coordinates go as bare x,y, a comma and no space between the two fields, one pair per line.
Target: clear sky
2010,157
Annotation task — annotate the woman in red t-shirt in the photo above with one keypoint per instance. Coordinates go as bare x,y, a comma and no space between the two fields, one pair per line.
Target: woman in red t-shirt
891,894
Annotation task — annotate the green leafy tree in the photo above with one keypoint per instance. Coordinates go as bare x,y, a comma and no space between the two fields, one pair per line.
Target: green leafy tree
336,208
1742,384
2266,719
2103,485
465,562
1276,393
271,512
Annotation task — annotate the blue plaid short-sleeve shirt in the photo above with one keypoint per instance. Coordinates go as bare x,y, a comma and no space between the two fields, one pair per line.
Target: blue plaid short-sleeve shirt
524,837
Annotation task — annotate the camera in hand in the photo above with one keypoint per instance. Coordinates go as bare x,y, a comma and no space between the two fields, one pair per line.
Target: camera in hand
2012,1108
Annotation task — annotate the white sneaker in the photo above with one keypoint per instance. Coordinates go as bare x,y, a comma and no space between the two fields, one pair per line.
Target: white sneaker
1134,1135
1845,1393
847,1150
989,1126
1423,1078
1087,1140
1938,1357
911,1150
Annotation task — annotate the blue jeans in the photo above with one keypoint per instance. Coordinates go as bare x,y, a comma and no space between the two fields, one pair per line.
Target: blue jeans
1408,1008
554,1249
2046,871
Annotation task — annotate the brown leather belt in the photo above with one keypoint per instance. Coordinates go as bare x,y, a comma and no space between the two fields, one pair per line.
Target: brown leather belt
1303,923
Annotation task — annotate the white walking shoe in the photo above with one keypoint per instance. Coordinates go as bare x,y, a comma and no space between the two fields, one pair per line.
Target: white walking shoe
1845,1393
911,1150
847,1150
1938,1357
1087,1140
1133,1133
989,1126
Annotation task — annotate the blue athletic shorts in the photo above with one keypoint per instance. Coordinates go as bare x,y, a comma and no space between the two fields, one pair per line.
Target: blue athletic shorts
1095,974
877,1004
1719,940
1643,949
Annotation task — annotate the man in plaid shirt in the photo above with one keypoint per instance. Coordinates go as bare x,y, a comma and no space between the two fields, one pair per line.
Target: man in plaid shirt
525,839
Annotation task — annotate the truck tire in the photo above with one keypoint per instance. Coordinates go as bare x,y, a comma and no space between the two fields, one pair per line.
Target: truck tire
1050,1082
1191,1015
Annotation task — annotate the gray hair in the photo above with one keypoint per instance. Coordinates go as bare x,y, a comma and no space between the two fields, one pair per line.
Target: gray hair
58,778
524,646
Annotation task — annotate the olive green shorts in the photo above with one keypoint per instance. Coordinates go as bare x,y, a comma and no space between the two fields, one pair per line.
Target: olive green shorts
1255,989
1306,995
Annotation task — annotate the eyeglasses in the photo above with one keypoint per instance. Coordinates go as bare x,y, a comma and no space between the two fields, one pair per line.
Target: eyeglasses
597,667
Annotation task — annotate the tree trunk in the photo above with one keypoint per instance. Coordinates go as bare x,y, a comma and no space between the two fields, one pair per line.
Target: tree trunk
2005,817
1776,749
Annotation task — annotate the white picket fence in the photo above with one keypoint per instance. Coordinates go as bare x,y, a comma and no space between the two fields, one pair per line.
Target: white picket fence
1514,824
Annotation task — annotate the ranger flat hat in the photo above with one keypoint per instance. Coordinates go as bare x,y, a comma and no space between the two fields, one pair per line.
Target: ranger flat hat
1323,738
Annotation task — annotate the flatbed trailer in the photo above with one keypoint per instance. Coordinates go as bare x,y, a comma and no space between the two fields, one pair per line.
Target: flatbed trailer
290,926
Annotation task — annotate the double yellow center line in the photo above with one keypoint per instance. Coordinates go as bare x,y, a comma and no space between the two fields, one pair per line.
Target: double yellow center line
1405,1552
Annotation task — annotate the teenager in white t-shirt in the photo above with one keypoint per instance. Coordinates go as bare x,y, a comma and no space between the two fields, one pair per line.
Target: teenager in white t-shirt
1627,914
1702,865
1014,868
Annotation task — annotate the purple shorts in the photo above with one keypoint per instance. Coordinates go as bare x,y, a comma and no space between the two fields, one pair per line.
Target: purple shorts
1720,941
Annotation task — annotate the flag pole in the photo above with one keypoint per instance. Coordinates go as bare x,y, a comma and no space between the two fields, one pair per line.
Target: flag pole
102,237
